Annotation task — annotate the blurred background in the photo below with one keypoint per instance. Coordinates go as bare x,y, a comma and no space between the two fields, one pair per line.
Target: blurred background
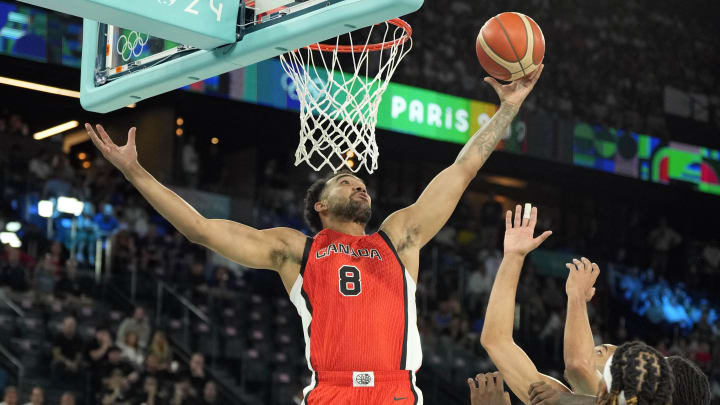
103,302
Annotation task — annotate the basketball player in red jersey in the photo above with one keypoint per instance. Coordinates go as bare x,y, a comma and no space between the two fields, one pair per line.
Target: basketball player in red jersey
354,292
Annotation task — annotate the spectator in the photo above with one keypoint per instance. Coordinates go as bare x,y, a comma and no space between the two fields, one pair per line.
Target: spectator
210,394
14,273
139,324
68,351
44,280
195,284
190,163
115,361
10,397
131,349
67,398
181,393
39,167
160,349
17,126
478,288
196,375
37,396
71,289
115,389
221,288
97,354
662,239
87,233
490,216
149,394
105,221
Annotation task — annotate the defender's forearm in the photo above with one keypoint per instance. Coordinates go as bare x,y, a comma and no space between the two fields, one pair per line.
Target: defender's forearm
481,145
173,208
500,314
578,346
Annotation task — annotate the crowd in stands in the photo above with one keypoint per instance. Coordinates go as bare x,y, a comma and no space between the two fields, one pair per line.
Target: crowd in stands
593,54
131,362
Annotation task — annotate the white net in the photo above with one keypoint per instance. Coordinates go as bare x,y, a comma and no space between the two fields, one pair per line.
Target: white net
339,104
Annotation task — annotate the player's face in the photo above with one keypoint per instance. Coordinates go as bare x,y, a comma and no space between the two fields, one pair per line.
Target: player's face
347,198
601,354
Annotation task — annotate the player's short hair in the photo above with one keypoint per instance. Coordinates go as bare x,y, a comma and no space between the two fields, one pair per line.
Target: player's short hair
643,374
314,194
691,384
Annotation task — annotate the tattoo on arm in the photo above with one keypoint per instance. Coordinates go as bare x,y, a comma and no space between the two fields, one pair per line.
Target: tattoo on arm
480,146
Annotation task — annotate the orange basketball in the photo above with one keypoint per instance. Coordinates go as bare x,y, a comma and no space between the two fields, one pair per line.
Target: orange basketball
510,46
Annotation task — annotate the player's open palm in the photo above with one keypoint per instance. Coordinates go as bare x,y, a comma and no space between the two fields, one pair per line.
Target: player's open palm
122,157
516,92
488,389
519,233
581,279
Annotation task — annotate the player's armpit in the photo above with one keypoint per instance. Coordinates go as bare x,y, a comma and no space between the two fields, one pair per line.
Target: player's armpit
518,370
273,249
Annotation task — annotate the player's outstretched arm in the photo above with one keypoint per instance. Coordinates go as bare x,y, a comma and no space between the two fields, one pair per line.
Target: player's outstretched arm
266,249
578,346
418,223
517,368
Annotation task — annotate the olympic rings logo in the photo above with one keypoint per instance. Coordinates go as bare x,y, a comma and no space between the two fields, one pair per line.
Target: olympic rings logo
133,44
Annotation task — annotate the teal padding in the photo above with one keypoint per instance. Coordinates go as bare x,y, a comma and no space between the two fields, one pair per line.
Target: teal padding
265,43
205,24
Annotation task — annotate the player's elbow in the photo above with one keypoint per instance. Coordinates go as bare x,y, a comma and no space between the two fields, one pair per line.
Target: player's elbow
198,232
575,368
490,341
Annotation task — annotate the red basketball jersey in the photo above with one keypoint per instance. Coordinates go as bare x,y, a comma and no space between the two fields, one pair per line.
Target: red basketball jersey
357,304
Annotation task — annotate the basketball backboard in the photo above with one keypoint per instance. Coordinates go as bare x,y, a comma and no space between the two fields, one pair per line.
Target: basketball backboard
123,66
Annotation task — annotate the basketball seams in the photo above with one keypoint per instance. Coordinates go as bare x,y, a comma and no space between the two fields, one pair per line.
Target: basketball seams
494,56
527,59
507,37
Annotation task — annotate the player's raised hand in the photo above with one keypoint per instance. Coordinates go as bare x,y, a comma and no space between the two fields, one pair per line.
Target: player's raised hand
519,234
122,157
581,279
487,389
515,93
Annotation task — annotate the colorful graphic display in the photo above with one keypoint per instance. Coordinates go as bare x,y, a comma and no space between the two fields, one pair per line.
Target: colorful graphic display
36,34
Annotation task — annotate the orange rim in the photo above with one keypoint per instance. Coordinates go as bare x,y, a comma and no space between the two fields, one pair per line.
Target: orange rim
369,47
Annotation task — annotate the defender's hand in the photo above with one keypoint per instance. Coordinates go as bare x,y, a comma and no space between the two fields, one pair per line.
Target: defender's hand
581,279
516,92
487,389
519,237
122,157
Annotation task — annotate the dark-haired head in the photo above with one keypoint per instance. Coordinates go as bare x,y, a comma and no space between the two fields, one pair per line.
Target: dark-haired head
637,374
342,196
691,384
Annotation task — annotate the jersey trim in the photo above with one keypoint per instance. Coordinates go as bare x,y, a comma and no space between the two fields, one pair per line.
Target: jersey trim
306,255
403,358
412,387
314,385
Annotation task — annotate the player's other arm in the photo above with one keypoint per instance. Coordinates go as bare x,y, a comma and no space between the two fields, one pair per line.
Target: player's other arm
578,342
517,368
418,223
264,249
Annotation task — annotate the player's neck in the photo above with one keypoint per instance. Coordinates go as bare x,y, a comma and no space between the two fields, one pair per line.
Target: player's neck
346,227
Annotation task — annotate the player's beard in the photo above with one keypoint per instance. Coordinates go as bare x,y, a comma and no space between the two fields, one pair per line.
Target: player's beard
353,210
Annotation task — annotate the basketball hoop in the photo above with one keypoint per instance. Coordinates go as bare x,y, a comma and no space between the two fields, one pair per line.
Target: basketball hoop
339,107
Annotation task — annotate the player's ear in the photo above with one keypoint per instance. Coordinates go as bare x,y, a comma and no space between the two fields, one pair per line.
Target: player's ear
320,206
